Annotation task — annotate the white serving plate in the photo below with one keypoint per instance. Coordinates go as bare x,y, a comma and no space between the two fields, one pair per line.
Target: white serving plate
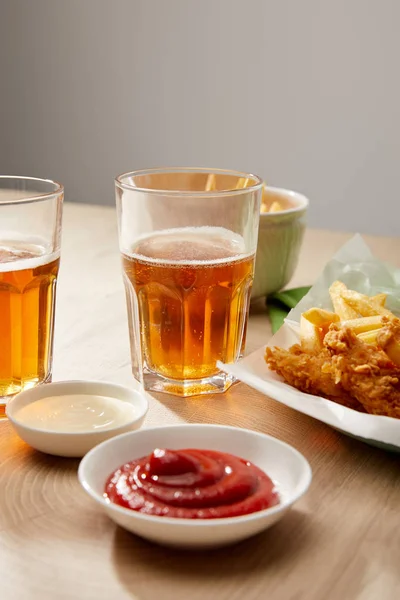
286,466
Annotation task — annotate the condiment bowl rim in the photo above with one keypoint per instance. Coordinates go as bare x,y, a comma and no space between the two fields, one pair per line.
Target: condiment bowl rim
286,503
143,406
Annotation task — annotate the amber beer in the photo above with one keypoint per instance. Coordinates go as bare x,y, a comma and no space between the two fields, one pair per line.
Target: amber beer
27,297
191,288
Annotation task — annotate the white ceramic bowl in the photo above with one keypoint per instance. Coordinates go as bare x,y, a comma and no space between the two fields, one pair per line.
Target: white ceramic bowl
286,466
280,236
74,444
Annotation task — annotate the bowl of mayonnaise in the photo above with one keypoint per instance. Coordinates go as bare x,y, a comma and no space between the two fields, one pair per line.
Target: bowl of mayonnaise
68,418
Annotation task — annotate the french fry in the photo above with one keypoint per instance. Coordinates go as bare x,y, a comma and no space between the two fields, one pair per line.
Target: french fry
321,317
363,324
392,349
268,204
389,340
340,306
275,207
211,183
369,337
379,299
242,182
363,304
264,195
314,324
310,336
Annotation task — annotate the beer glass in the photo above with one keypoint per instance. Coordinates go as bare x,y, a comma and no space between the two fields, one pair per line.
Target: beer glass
188,240
30,233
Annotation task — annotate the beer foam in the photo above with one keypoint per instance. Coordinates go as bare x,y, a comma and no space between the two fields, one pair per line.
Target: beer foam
200,246
15,256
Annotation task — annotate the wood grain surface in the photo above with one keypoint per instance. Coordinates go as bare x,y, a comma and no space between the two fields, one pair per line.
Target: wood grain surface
340,542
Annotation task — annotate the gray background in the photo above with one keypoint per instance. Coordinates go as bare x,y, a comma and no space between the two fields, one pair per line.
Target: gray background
305,93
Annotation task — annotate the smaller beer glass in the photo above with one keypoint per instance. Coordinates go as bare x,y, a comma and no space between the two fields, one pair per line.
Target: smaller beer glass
188,240
30,234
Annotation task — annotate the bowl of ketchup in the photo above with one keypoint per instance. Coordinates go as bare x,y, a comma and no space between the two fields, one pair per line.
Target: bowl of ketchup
197,486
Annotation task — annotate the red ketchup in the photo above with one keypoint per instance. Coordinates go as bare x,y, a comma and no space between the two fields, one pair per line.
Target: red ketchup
191,484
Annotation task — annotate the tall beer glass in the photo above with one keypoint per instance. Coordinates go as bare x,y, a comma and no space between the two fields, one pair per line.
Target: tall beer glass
30,233
188,240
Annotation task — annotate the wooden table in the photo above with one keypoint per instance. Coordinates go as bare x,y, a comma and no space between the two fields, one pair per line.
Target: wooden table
340,542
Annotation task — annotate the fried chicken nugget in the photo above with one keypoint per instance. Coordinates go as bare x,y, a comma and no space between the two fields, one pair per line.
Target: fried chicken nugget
310,373
365,371
388,338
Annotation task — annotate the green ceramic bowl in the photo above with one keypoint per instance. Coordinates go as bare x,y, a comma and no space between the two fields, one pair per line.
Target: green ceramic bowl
279,241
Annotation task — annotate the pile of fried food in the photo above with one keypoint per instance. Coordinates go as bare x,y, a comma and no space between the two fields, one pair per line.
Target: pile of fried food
269,203
350,356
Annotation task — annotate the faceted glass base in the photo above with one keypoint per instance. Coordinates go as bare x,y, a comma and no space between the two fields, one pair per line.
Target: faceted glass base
218,383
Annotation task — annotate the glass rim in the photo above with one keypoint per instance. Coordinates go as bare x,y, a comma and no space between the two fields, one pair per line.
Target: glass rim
119,181
58,189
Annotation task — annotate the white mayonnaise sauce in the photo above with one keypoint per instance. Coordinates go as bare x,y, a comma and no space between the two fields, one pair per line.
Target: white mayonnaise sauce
76,413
